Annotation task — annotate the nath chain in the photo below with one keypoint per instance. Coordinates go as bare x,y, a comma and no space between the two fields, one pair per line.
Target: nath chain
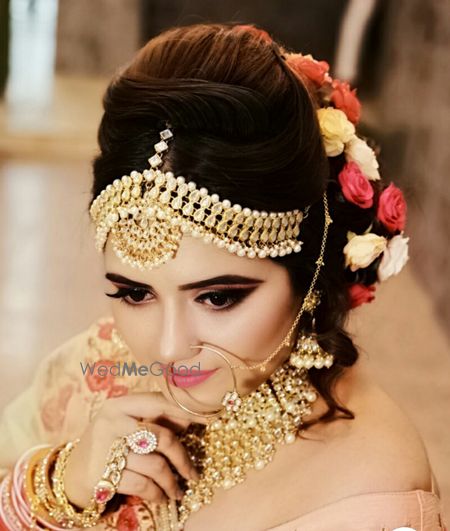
306,301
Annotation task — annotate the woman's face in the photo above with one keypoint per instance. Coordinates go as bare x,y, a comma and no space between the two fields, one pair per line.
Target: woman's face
162,311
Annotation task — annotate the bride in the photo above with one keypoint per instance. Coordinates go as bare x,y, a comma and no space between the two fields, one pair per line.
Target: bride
240,218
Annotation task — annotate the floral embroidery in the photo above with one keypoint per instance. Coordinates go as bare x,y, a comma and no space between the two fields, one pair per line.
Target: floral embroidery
54,408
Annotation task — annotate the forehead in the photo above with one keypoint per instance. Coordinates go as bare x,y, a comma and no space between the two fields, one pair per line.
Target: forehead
194,260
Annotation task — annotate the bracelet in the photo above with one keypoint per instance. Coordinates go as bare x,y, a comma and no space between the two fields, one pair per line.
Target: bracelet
45,507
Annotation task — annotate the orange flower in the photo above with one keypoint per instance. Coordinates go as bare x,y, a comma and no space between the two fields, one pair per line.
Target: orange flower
316,71
345,99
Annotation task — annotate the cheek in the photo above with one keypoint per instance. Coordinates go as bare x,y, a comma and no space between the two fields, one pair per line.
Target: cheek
132,326
259,327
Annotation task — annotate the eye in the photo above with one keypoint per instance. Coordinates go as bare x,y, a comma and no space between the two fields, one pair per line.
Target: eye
225,299
137,295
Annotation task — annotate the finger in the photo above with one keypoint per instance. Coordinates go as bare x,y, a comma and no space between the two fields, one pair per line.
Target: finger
150,405
170,446
135,484
155,467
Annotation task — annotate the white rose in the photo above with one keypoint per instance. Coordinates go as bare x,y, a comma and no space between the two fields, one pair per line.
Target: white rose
358,151
336,129
394,258
362,250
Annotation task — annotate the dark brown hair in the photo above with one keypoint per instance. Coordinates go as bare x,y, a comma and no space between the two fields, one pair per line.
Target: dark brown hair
245,127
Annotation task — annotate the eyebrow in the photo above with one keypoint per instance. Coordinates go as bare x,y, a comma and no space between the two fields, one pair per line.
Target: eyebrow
222,279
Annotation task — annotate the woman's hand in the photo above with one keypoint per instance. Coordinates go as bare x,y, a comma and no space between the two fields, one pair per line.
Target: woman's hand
147,476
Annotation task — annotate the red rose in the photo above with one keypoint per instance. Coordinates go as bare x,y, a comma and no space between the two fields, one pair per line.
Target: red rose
392,208
105,329
316,71
345,99
359,294
127,520
355,186
100,382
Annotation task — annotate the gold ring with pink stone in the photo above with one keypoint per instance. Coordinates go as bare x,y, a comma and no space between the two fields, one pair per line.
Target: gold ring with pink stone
142,441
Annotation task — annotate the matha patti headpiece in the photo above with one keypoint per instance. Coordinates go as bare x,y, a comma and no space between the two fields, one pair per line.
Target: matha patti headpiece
147,214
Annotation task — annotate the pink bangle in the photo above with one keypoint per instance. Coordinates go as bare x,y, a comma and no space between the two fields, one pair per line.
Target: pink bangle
20,504
15,510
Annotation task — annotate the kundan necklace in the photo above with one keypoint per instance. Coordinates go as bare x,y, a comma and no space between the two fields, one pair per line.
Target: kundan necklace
239,440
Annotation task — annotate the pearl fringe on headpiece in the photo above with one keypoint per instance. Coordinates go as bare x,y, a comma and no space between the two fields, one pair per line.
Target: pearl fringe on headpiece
147,214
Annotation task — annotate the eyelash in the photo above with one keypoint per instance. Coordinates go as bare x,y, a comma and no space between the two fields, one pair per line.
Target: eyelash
236,295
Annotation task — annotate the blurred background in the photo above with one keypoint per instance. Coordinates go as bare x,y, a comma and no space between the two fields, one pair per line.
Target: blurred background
56,58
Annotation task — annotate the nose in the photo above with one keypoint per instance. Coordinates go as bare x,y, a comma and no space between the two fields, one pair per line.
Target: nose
177,333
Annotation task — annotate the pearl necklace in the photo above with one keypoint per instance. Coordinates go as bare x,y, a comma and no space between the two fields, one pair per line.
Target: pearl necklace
238,441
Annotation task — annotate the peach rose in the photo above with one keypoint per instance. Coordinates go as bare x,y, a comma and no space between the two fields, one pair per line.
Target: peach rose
361,250
355,187
336,130
316,71
345,99
394,257
358,151
392,208
360,294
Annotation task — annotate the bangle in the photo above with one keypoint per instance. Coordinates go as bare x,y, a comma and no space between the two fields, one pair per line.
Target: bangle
37,482
90,515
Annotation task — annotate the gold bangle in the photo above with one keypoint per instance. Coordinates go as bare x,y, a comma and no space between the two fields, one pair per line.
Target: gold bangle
35,497
42,486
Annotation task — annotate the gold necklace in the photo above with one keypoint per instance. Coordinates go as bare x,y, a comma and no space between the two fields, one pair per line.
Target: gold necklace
237,441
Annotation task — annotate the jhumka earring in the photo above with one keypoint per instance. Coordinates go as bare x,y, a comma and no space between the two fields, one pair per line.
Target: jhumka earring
307,352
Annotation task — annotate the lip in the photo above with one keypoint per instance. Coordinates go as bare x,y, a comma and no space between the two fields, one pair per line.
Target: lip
189,380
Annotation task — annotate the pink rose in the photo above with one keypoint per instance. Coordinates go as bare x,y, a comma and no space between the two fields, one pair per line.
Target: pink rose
54,409
105,329
360,294
100,382
345,99
117,390
355,186
316,71
392,208
127,520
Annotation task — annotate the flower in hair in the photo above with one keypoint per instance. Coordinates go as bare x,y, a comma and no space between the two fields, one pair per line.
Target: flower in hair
360,294
392,208
355,186
306,65
336,130
362,250
358,151
345,98
394,257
